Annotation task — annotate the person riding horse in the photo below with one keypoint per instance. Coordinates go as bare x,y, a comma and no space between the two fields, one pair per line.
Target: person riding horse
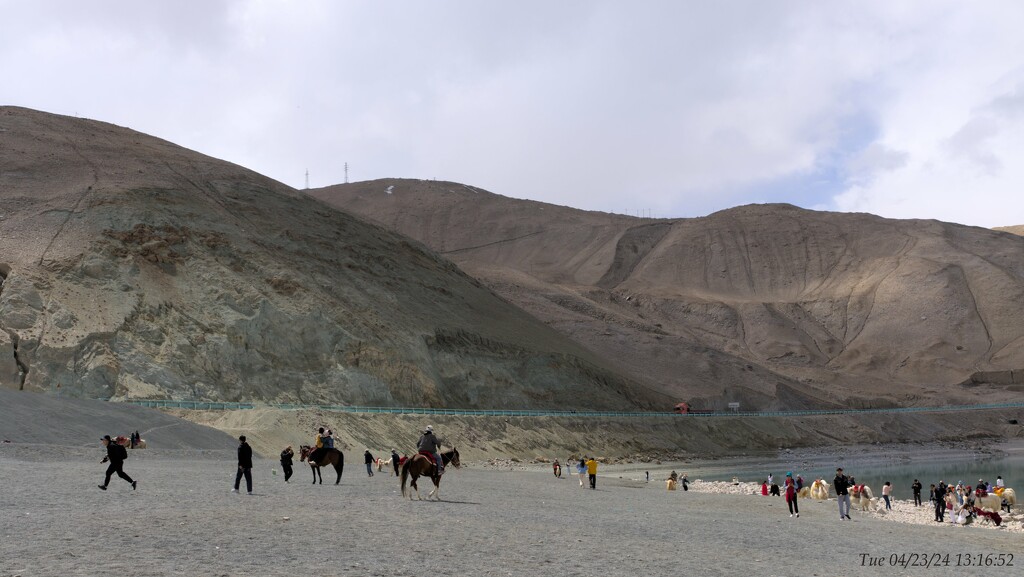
429,443
319,444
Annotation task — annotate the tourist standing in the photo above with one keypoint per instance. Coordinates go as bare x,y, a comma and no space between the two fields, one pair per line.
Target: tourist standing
791,495
842,484
581,470
916,488
592,472
940,502
116,454
886,493
395,461
244,466
286,462
685,481
368,459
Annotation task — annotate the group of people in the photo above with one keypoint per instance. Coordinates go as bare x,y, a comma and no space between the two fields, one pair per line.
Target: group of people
428,444
684,480
791,486
963,509
586,468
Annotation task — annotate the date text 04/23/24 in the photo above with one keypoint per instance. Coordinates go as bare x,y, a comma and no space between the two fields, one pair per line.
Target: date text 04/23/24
937,560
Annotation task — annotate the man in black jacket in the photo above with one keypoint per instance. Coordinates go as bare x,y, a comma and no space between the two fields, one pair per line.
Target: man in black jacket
368,458
841,484
916,488
940,502
116,454
244,465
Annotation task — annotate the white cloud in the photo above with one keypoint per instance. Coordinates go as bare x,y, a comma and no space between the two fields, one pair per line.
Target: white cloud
680,108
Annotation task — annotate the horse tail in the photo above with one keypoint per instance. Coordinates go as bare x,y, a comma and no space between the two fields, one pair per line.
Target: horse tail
405,474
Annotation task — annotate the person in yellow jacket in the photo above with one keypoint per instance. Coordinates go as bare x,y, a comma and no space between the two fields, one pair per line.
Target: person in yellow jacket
319,447
592,472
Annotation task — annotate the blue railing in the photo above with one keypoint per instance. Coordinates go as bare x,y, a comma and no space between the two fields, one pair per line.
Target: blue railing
227,406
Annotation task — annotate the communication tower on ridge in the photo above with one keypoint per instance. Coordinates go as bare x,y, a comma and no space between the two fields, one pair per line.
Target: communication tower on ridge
346,173
307,179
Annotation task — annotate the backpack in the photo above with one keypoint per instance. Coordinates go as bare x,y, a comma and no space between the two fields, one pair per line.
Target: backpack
123,452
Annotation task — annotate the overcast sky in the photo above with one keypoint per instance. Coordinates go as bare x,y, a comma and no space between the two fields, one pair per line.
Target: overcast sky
902,109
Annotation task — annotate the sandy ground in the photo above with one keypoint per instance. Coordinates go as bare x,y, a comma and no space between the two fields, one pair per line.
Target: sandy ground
183,520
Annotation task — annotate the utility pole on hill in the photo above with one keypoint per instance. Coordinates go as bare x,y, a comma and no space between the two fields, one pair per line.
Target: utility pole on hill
346,173
307,179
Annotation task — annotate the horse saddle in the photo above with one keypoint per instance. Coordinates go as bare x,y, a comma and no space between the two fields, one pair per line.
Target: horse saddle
430,456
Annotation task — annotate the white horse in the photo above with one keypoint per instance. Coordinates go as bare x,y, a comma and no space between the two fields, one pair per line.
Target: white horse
861,495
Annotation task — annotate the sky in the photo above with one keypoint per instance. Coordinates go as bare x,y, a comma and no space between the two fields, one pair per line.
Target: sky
660,108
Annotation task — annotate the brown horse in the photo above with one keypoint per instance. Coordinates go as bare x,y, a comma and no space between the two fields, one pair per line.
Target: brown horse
328,457
420,466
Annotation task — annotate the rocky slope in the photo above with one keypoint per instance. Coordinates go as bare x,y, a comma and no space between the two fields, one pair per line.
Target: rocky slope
769,305
132,267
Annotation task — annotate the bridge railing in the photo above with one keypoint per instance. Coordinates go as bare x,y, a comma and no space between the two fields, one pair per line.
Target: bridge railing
231,406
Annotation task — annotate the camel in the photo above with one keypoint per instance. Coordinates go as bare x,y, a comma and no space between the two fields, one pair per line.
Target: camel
670,484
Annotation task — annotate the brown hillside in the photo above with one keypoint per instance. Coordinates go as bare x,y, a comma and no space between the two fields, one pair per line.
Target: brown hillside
132,267
1018,230
852,308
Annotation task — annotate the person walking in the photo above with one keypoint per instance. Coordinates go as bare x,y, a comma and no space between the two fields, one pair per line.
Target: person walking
916,488
842,485
685,481
286,462
592,472
395,461
116,454
581,469
940,502
886,493
368,459
244,466
791,493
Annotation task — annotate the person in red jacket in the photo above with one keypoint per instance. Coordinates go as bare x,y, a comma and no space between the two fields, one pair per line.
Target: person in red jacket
791,495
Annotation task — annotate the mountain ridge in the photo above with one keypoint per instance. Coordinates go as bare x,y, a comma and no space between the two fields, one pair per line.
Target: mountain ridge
834,307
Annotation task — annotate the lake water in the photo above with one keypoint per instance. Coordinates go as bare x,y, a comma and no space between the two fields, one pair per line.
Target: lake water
872,466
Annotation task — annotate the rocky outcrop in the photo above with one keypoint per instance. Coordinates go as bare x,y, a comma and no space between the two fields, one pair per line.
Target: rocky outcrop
134,268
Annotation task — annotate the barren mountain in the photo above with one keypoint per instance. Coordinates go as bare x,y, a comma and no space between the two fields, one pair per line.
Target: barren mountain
132,267
1018,229
769,305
